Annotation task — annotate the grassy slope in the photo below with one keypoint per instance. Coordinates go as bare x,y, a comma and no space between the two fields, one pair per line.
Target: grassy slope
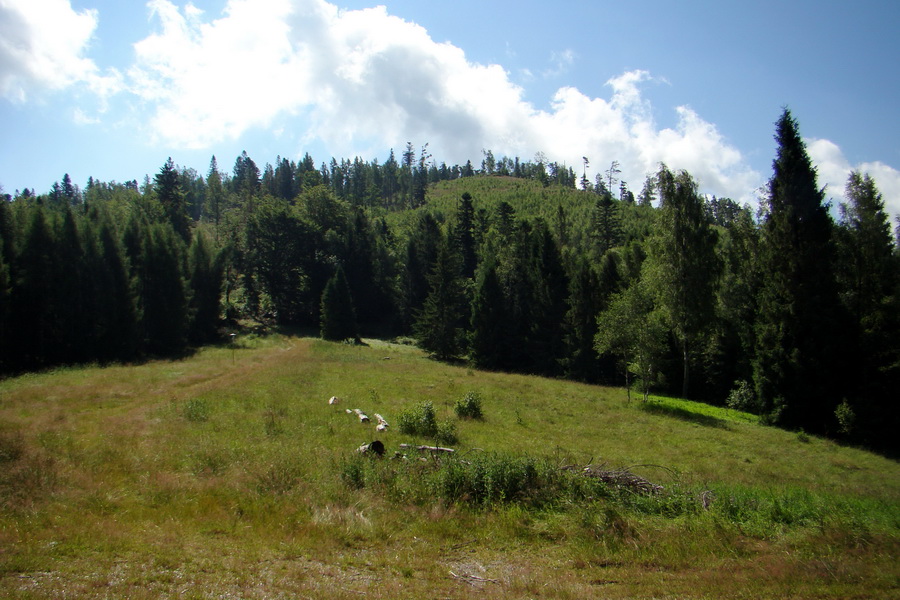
220,476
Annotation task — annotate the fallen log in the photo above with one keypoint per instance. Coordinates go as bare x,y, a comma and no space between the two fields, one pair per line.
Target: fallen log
363,417
434,449
334,400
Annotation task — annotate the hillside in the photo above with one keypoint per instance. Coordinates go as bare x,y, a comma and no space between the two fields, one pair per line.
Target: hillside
228,474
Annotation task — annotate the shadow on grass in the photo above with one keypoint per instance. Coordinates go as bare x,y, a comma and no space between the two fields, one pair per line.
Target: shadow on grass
684,415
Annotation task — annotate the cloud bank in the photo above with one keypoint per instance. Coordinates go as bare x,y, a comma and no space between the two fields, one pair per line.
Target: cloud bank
42,46
834,169
362,81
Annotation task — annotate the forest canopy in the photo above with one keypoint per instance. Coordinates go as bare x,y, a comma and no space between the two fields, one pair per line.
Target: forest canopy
791,312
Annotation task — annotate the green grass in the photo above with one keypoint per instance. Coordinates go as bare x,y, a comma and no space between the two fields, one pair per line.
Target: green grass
225,475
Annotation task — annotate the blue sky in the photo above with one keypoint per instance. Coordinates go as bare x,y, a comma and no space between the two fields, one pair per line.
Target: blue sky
110,89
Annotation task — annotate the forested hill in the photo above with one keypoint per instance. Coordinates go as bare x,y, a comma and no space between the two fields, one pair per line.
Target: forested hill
517,266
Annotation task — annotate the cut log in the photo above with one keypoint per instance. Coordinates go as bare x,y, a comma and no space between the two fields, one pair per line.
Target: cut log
334,400
363,417
382,423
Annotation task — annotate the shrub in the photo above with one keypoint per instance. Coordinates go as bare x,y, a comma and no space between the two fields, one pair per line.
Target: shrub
846,417
741,397
420,420
469,406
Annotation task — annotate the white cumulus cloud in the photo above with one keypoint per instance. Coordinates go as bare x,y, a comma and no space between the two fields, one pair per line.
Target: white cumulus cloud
42,47
833,169
364,80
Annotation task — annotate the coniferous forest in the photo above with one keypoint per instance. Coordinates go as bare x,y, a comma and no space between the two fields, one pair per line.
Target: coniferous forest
791,312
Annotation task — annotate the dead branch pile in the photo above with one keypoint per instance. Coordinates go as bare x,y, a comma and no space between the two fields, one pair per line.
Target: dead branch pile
621,479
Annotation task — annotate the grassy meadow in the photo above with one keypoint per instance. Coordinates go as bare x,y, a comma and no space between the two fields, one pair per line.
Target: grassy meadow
228,475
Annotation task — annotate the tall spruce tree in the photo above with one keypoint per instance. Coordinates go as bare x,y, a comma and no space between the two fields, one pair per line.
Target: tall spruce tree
490,327
799,327
170,193
207,275
338,316
439,324
581,360
869,277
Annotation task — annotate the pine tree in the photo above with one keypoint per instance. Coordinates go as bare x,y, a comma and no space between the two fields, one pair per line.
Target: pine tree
550,290
465,232
607,223
869,276
116,305
215,196
35,328
490,326
206,278
799,329
438,324
169,192
581,360
338,317
165,294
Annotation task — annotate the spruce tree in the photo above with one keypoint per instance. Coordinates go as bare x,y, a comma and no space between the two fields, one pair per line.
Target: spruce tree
164,291
869,278
490,327
438,324
581,359
206,279
170,193
465,231
35,327
799,328
338,317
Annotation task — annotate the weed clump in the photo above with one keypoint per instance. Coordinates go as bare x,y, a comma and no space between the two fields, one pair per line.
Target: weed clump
196,410
422,421
469,406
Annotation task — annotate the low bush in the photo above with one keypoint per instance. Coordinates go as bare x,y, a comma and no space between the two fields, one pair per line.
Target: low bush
469,406
420,420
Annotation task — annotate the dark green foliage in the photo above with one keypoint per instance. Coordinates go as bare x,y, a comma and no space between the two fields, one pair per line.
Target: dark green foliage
465,231
206,280
165,294
338,317
116,309
490,325
35,330
170,193
580,360
421,254
869,276
607,223
438,326
800,328
280,257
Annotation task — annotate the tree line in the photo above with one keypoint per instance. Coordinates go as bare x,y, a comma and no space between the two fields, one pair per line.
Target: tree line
788,313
